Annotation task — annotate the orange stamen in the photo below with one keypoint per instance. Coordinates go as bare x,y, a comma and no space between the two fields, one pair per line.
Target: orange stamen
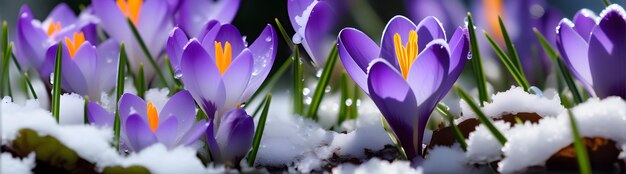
153,117
54,27
74,43
493,9
223,56
130,9
406,55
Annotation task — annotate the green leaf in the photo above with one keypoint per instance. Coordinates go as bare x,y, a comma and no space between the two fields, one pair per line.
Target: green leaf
509,46
85,110
5,72
284,34
141,88
479,74
258,108
258,134
121,73
298,82
147,53
30,85
517,74
318,95
444,111
56,90
345,93
272,80
354,110
581,150
554,56
481,116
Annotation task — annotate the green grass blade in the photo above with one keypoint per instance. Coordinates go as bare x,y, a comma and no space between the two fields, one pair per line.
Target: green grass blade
258,108
121,74
5,37
284,34
443,110
85,110
258,134
171,70
564,71
509,46
141,83
354,110
517,74
56,90
272,80
30,85
147,53
318,95
298,82
479,74
345,93
606,2
481,116
581,150
5,73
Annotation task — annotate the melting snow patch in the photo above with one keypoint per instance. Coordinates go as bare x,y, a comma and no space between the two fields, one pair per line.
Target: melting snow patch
158,159
442,159
8,164
482,146
158,97
532,144
376,165
72,108
514,101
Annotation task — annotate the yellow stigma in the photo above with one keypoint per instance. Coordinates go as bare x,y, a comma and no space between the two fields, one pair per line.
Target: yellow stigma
130,9
74,43
153,117
54,27
223,56
493,9
406,54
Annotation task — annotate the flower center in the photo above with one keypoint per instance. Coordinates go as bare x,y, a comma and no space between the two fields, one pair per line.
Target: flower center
223,56
74,43
130,9
54,27
406,54
493,9
153,117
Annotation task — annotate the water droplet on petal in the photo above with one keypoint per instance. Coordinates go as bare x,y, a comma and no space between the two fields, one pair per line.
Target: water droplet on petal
268,39
109,60
178,74
52,78
245,42
469,55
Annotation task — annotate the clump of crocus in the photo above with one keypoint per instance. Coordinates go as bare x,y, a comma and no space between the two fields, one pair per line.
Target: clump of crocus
152,19
594,50
142,124
316,24
405,83
32,37
219,69
192,14
87,70
230,142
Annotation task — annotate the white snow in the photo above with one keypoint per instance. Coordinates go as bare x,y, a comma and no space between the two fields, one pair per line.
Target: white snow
516,100
158,97
158,159
532,144
482,146
8,164
302,20
72,109
376,165
442,159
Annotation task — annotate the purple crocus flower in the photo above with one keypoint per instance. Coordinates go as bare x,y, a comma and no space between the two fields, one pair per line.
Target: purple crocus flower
406,84
451,12
34,37
218,69
233,138
314,21
174,125
192,14
152,19
594,50
87,70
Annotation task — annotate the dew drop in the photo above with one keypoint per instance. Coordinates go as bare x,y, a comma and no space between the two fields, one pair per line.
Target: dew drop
308,100
319,73
469,55
306,91
348,102
268,39
52,78
535,90
358,102
178,74
244,38
327,89
109,60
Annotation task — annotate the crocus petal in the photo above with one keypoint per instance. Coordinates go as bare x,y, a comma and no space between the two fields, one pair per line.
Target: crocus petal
428,30
397,25
138,133
264,52
166,132
447,11
86,60
194,133
106,70
236,79
296,8
181,106
429,70
30,42
112,20
130,104
396,101
175,43
63,14
153,25
356,51
228,33
72,79
206,28
573,49
201,78
193,13
584,22
607,46
320,23
214,148
459,43
98,116
234,136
